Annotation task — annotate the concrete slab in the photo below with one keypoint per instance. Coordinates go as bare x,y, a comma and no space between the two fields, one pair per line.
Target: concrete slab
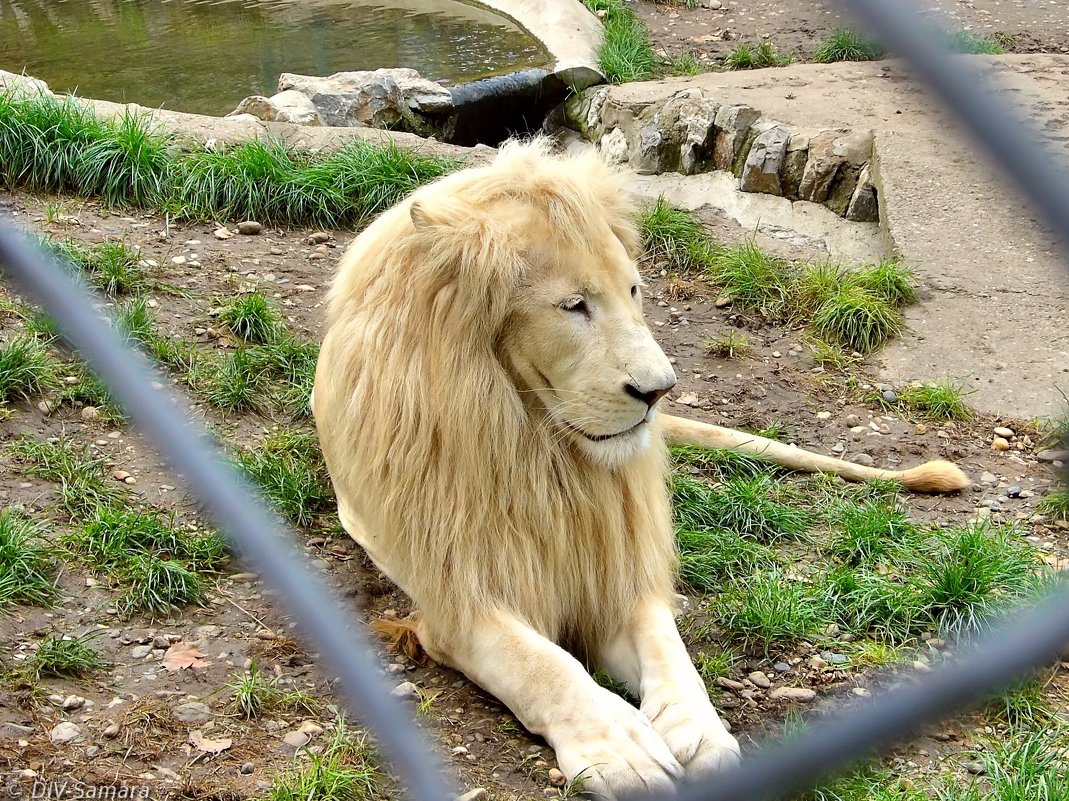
995,286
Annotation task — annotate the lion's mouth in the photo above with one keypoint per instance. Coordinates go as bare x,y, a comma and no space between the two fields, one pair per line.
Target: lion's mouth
606,437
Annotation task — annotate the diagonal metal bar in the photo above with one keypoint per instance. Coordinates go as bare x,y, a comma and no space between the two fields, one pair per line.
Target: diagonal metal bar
259,537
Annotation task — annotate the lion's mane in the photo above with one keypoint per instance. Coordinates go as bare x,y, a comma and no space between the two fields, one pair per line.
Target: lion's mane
469,498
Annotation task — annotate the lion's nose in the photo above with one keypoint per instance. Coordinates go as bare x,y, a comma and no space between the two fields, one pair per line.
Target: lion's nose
649,396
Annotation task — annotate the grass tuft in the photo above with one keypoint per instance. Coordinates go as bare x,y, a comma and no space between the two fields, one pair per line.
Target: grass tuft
26,369
252,695
857,318
759,56
769,608
869,532
752,278
938,401
288,467
344,770
843,44
675,236
117,535
253,318
625,53
732,345
67,657
973,43
746,506
27,562
158,586
84,487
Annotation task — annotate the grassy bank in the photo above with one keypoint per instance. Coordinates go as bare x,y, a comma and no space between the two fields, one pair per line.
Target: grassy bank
57,145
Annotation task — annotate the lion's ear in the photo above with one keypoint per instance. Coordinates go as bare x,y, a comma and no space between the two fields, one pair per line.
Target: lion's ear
424,217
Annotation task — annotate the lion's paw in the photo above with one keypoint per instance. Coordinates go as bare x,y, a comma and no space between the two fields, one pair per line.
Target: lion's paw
617,753
696,737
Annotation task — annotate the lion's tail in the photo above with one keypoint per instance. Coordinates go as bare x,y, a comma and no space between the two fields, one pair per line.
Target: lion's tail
936,476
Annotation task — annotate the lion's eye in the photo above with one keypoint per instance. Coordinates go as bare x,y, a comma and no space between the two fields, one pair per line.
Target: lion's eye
634,291
576,304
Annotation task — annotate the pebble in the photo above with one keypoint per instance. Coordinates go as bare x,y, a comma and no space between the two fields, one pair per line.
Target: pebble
975,768
478,794
714,4
92,751
120,475
141,651
988,478
295,740
310,728
247,768
1048,455
13,731
46,407
1000,444
1014,491
801,694
192,712
90,413
556,778
889,396
730,684
861,692
1005,433
852,420
249,227
65,732
781,667
823,415
760,679
863,459
112,731
72,702
318,238
405,689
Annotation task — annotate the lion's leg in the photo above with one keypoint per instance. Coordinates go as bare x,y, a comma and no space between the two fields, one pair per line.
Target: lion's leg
649,656
596,734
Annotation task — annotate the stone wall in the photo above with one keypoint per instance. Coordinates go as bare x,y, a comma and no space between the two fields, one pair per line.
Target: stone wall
690,132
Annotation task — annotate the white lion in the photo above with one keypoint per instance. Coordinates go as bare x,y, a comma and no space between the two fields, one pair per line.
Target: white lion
486,398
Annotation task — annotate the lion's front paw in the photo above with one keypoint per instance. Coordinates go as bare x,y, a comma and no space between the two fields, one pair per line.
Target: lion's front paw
696,736
617,752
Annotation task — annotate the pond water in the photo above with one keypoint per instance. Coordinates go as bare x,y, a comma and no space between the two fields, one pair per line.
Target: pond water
206,55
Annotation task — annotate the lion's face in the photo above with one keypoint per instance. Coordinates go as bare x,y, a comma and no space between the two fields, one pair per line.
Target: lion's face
578,343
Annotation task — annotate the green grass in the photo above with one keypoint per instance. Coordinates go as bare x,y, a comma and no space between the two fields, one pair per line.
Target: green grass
830,354
1028,767
26,369
675,237
1055,504
747,506
27,561
973,43
752,278
344,770
890,280
711,666
732,345
90,390
708,557
938,401
288,468
684,65
858,319
112,267
869,532
843,44
84,486
862,600
759,56
974,571
67,657
253,318
718,463
114,536
158,586
252,695
57,145
135,322
768,609
625,53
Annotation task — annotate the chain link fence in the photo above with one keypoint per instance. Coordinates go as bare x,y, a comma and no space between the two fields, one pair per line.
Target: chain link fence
1026,640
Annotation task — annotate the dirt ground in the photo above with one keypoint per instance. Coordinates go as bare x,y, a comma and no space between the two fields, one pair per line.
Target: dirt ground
794,27
474,734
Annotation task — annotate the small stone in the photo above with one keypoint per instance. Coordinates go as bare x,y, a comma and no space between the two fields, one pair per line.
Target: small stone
92,751
715,5
210,630
1005,433
72,702
823,415
988,478
800,694
556,778
459,751
222,232
478,794
120,475
975,768
921,667
730,684
395,668
13,731
249,228
46,407
1014,491
863,459
1048,455
852,420
760,679
247,769
405,689
1000,444
689,399
295,740
722,301
861,692
310,728
90,413
838,659
318,238
889,396
192,712
781,667
112,731
65,732
141,651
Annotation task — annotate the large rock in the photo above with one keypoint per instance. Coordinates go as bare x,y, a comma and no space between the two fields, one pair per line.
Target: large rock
20,86
677,136
384,98
863,205
828,152
761,171
732,127
288,106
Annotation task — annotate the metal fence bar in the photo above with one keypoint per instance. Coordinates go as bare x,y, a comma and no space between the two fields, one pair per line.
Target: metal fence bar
235,509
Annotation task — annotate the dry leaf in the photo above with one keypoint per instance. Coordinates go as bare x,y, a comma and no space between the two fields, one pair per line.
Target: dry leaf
182,655
201,742
222,232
